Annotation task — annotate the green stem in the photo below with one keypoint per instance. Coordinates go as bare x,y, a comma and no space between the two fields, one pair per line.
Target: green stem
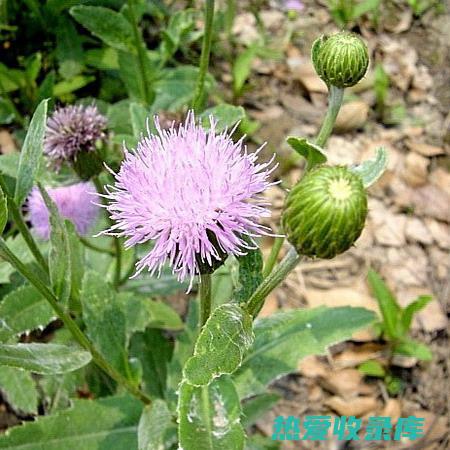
256,301
204,57
117,246
96,248
140,53
205,297
335,97
272,259
22,227
71,325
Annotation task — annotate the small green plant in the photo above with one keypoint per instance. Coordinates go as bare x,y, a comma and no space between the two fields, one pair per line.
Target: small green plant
347,11
395,328
419,7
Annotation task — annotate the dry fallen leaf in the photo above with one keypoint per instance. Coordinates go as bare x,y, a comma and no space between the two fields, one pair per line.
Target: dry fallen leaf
345,383
392,409
352,116
312,367
415,172
357,406
424,149
390,229
357,354
7,144
417,231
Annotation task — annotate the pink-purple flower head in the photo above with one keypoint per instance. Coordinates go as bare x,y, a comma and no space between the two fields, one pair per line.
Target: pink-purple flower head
71,130
293,5
73,202
195,194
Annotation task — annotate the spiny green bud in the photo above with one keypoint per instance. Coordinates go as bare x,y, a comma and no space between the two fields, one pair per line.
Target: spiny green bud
341,59
325,212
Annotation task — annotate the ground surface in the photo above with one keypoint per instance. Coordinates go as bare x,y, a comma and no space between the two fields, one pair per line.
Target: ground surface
407,238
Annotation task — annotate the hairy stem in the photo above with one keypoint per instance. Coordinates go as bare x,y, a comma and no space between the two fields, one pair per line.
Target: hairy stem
204,57
22,227
205,298
256,301
272,259
71,325
335,96
96,248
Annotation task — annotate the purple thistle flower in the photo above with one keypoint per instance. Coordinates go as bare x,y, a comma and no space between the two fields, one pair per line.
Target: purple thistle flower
73,202
192,192
71,130
293,5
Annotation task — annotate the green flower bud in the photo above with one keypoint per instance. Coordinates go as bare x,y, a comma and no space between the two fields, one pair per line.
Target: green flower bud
325,212
341,59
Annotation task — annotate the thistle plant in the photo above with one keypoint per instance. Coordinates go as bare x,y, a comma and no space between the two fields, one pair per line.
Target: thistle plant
186,203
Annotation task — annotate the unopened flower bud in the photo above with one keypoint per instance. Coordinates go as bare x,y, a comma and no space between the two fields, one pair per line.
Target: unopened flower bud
341,59
325,212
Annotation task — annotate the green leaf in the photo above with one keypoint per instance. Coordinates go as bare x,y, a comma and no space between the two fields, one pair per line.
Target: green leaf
414,307
105,424
165,284
69,50
108,25
221,345
19,390
372,169
364,7
141,312
389,308
59,260
118,116
284,338
105,320
255,407
250,274
242,68
7,111
105,58
3,211
43,358
155,426
258,442
414,348
226,115
176,88
77,265
224,282
23,310
372,368
154,352
183,349
209,417
68,86
139,116
31,153
313,154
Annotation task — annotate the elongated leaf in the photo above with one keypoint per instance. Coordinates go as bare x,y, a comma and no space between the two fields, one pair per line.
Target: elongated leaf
138,116
209,417
18,389
284,338
23,310
31,153
413,308
259,442
3,211
372,368
313,154
225,115
242,68
221,345
77,265
183,349
108,25
372,169
389,307
250,274
43,358
155,426
142,312
105,320
59,260
105,424
410,347
154,352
